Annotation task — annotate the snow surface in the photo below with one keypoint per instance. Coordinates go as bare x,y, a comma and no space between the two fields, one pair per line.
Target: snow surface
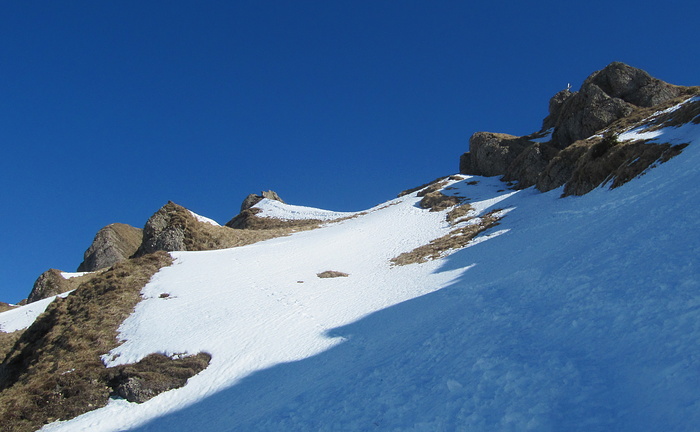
582,314
22,317
70,275
278,210
204,219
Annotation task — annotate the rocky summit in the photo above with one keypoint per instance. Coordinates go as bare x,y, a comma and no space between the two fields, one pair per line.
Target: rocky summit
567,150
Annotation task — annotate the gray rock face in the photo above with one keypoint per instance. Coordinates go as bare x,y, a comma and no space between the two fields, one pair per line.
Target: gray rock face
526,168
49,283
113,243
253,199
560,168
605,96
492,153
633,85
587,112
165,230
555,105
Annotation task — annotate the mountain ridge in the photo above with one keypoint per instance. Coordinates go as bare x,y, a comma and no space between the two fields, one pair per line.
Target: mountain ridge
496,374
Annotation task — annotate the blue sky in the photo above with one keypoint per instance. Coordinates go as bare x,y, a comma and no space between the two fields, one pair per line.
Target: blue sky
110,109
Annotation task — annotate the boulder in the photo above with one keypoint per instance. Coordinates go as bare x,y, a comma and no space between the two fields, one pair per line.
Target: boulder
113,243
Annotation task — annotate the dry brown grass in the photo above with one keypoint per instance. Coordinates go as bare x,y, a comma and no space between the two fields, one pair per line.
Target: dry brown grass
331,274
5,306
424,186
687,113
7,341
437,201
456,239
617,164
458,213
248,220
155,374
54,370
51,283
639,115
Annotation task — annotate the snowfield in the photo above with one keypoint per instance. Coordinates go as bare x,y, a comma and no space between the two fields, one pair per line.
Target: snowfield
22,317
574,314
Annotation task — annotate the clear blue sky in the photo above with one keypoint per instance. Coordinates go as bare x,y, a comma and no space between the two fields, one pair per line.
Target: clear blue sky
109,109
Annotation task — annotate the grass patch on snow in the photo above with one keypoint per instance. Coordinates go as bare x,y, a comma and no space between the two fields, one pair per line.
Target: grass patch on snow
455,239
331,274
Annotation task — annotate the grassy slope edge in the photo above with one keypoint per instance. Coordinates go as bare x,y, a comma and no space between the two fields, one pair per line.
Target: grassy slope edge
54,369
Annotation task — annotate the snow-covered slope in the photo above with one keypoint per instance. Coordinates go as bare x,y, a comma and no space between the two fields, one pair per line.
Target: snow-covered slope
577,314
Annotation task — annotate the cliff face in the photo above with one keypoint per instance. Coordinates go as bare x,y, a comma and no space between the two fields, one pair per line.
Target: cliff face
610,101
113,243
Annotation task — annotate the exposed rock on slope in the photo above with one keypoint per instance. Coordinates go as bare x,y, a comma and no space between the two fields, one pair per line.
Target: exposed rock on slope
614,99
52,282
174,228
492,153
253,199
247,219
48,284
112,244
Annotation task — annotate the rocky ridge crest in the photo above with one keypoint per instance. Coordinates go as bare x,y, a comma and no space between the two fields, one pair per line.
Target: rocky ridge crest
561,153
113,243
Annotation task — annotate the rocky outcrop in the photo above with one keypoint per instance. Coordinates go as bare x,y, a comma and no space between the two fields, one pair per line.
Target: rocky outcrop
247,219
52,282
610,99
555,104
253,199
165,230
155,374
113,243
527,167
587,112
174,228
492,153
49,283
605,96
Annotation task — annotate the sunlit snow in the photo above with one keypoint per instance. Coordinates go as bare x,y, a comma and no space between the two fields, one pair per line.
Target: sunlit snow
576,314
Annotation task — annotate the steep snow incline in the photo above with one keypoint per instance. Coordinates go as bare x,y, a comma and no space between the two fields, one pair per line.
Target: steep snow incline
582,315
